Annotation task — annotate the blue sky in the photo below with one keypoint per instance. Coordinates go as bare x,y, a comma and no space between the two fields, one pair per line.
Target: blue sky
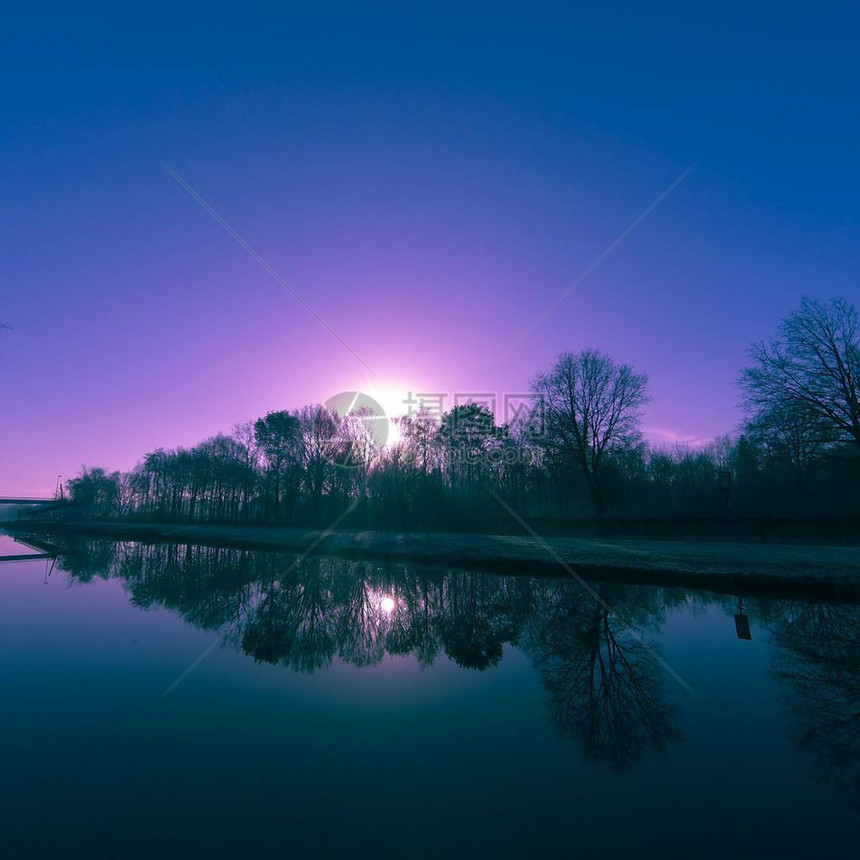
428,180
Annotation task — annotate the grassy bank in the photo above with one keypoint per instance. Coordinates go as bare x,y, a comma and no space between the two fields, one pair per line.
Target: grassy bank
722,567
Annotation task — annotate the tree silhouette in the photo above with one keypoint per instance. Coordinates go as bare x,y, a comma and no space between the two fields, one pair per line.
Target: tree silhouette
593,408
795,457
812,368
278,438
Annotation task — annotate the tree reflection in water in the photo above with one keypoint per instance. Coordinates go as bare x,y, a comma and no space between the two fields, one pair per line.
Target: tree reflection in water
817,660
605,689
605,686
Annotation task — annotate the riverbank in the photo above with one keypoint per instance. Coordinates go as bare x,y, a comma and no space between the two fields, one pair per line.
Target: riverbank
733,568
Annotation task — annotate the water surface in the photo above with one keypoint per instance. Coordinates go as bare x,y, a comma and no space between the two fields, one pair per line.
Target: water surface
360,709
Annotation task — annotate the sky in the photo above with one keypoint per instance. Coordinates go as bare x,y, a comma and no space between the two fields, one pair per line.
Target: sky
428,179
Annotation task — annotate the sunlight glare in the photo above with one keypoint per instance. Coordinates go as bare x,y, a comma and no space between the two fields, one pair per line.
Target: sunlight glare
394,399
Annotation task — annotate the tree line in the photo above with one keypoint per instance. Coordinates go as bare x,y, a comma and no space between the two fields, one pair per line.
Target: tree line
579,452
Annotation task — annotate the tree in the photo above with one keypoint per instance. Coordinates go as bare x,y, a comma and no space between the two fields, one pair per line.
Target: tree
592,408
406,486
810,369
466,434
278,438
97,493
246,435
318,429
419,434
791,437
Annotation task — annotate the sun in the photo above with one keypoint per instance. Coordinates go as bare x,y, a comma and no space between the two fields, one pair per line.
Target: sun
394,398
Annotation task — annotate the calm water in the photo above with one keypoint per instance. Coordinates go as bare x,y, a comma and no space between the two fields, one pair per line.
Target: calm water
353,709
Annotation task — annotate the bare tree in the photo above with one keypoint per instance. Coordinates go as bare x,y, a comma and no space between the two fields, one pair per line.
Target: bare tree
318,429
593,408
789,434
245,434
811,367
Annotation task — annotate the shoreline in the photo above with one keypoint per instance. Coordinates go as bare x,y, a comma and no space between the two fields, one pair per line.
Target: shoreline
781,570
